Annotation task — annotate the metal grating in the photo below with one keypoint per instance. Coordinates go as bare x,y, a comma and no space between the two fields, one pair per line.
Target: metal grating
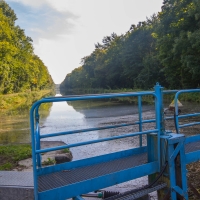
63,178
131,195
191,147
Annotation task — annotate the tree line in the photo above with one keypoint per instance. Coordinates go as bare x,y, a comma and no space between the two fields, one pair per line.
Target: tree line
165,48
20,69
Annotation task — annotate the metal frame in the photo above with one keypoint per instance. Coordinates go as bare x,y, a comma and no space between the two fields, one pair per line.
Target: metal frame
176,148
172,144
35,134
184,116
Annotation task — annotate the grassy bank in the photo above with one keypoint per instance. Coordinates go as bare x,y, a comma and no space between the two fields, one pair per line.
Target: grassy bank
11,154
190,97
21,101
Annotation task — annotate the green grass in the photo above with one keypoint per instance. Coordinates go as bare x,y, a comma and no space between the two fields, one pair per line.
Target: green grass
148,99
49,161
18,102
11,154
66,150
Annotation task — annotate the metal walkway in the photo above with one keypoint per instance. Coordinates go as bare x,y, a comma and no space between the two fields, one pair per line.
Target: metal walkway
67,177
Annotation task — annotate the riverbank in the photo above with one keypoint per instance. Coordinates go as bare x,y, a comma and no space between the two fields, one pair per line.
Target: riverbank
13,103
148,99
19,157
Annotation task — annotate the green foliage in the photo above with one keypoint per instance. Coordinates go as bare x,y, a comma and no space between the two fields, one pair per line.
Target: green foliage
16,152
66,150
178,42
19,102
11,154
20,69
6,166
165,48
49,161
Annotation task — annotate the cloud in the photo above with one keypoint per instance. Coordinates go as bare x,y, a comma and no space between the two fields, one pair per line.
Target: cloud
41,20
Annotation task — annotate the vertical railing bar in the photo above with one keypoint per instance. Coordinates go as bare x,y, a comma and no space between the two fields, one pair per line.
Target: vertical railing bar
35,178
158,119
140,118
37,135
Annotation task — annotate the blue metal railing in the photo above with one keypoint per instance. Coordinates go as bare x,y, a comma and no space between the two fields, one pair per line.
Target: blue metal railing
35,131
184,116
155,153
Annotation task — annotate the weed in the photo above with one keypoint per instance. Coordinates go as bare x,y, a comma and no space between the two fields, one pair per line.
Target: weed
49,161
66,150
11,154
6,166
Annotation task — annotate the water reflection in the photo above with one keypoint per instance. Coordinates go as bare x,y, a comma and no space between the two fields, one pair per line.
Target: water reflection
15,127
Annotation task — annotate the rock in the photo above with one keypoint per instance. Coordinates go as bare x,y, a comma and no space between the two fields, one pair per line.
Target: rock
65,157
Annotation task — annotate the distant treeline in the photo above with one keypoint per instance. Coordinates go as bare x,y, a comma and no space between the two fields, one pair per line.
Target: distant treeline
165,48
20,69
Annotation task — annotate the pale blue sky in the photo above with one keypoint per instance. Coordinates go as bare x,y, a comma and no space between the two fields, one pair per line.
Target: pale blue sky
64,31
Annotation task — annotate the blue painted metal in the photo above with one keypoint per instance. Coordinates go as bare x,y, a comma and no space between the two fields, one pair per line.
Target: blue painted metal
140,117
36,150
95,141
78,198
176,105
175,148
159,144
94,129
90,161
159,121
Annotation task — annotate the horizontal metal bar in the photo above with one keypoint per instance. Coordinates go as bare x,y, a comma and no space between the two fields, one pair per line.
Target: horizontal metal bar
170,91
190,124
102,94
85,97
189,115
192,157
95,141
184,116
193,138
93,129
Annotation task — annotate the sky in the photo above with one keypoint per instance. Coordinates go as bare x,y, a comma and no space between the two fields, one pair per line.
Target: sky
64,31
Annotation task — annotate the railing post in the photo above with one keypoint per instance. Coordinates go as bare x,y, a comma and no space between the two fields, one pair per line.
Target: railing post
37,135
159,109
153,140
140,117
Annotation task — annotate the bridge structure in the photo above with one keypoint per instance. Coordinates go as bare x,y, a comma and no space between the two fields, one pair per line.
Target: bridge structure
163,159
165,155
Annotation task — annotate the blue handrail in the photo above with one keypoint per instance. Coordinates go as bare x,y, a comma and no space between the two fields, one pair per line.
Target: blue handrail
176,109
35,131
